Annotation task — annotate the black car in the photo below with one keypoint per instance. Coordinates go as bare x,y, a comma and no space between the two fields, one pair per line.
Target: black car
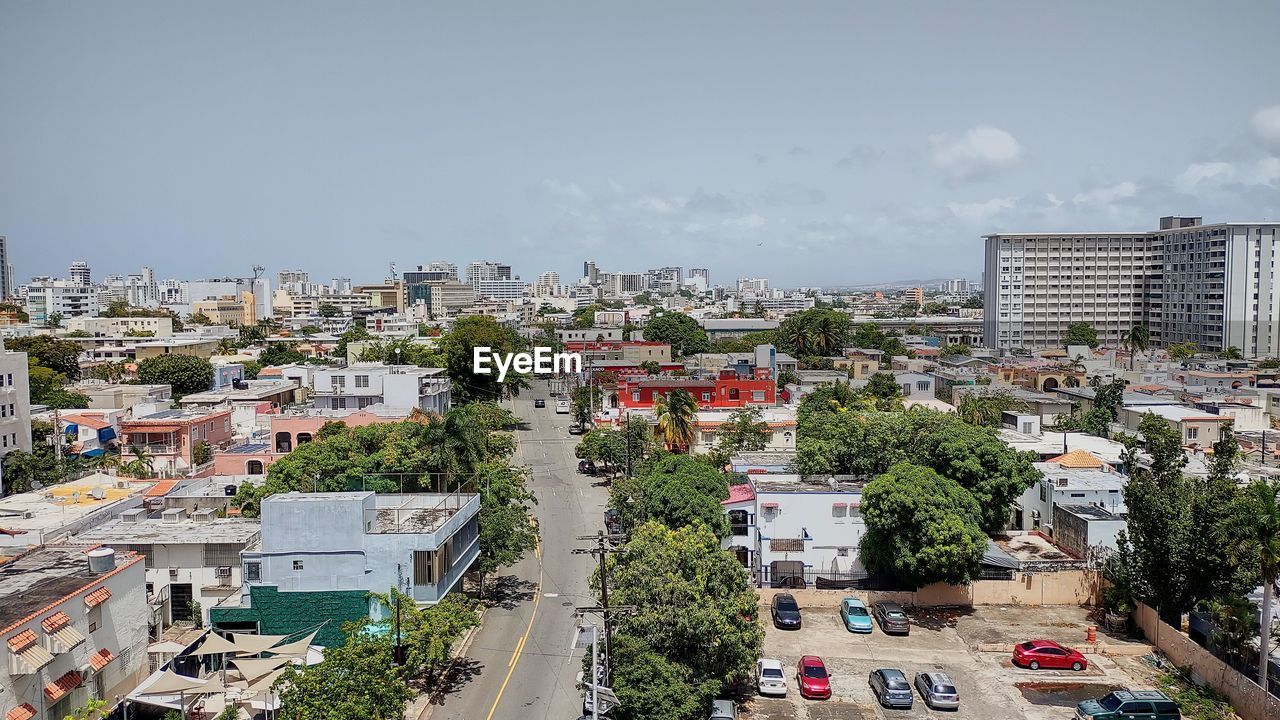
576,429
892,618
539,403
785,611
891,688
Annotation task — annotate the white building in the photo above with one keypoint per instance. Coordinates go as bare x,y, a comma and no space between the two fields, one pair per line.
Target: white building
15,404
160,327
486,270
1077,478
369,383
188,560
505,289
753,286
781,422
1213,285
66,298
74,624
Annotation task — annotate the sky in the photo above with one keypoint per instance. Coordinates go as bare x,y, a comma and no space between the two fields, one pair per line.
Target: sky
813,143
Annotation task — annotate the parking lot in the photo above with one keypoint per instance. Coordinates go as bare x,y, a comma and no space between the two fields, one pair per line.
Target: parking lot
946,640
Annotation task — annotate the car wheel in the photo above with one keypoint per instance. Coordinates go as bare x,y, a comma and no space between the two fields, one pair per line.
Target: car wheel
1034,664
1077,666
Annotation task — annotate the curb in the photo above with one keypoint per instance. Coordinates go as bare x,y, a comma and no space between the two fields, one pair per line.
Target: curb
458,652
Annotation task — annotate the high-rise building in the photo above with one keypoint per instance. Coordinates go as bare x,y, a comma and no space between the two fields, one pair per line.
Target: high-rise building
6,270
703,273
485,270
959,285
753,286
294,281
81,273
914,296
548,283
47,298
590,273
431,272
15,397
1214,285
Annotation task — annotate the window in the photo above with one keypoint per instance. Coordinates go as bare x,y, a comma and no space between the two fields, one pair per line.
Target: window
1193,433
1138,707
757,396
252,571
839,510
635,396
221,554
95,617
339,381
297,564
706,397
423,567
362,381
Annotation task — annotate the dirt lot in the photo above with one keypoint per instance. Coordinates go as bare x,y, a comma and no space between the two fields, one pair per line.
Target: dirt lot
990,687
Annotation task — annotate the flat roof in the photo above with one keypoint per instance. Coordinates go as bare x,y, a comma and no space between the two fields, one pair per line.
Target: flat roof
792,483
183,532
178,414
42,514
1091,512
43,576
1081,479
257,390
1177,413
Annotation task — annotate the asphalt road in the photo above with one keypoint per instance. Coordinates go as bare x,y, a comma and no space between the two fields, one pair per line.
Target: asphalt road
519,665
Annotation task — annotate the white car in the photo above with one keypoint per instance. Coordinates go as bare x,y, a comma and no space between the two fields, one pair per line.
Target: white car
770,678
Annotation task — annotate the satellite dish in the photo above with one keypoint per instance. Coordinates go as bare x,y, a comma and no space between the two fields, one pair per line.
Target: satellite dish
75,496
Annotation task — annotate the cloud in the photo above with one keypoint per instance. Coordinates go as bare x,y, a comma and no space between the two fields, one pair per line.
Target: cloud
861,156
570,190
1105,195
792,194
702,201
1200,177
1266,126
982,212
760,159
979,152
1053,200
750,222
798,151
615,186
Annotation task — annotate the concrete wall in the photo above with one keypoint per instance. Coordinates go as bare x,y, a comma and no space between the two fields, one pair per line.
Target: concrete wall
1250,701
1068,587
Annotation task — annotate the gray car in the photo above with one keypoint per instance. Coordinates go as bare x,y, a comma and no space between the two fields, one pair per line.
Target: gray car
938,691
724,710
891,688
892,618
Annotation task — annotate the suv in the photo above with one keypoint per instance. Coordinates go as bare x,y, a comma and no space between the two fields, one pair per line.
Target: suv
891,688
892,618
1135,704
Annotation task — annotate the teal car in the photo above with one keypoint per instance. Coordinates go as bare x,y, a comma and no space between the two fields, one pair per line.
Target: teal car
855,616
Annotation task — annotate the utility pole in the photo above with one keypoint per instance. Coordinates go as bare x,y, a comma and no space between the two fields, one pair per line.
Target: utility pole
604,544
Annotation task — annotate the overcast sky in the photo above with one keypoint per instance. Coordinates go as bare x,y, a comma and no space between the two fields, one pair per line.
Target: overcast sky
811,143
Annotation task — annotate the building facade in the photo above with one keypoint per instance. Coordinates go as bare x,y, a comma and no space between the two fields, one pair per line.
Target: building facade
15,404
363,384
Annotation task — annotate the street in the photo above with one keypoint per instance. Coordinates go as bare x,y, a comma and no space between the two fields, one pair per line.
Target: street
519,665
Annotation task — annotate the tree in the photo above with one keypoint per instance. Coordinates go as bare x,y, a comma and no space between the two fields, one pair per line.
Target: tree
1080,333
1262,523
954,350
141,465
1232,353
63,399
869,336
814,332
457,347
60,356
54,320
91,710
201,453
583,401
886,391
744,431
328,310
186,374
675,490
693,607
921,527
607,447
251,369
1219,540
650,686
1137,339
22,470
356,333
280,353
788,377
678,330
1182,351
986,408
677,413
1270,363
651,367
16,310
199,318
507,527
356,681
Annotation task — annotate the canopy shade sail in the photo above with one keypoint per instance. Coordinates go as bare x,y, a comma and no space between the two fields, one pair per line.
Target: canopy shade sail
254,669
171,683
297,648
215,644
248,644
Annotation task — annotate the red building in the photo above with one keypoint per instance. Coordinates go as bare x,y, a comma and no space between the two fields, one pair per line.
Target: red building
170,437
727,391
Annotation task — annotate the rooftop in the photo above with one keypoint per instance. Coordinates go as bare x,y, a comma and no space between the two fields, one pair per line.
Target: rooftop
1028,547
182,532
178,415
257,390
1056,443
1091,512
1177,413
1075,479
51,512
43,576
790,483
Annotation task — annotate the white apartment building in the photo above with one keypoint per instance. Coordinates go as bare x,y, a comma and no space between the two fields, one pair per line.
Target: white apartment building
160,327
136,290
1214,285
15,404
486,270
396,386
189,561
504,289
753,286
65,298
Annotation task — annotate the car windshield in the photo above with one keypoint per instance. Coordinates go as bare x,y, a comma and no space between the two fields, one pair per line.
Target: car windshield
788,604
815,671
1027,646
771,673
896,614
1110,703
853,610
895,683
944,689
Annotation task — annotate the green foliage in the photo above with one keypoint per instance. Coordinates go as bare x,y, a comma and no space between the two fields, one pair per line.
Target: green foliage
60,356
870,443
582,399
677,414
202,453
355,334
428,634
675,490
507,527
1195,702
921,527
1183,351
328,310
885,391
695,621
678,330
403,351
869,336
1080,333
744,431
281,353
986,408
788,377
1232,353
251,369
605,447
21,469
199,318
91,710
355,681
186,374
814,332
480,331
17,311
950,350
651,367
933,308
1270,363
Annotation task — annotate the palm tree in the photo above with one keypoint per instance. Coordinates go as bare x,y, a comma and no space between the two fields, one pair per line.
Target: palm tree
1137,339
1232,353
226,347
141,466
676,413
796,336
826,335
1264,531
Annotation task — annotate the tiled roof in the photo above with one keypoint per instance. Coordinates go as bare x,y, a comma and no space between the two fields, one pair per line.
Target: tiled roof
22,639
55,621
1078,460
786,545
23,712
87,421
97,597
160,488
101,658
739,493
63,685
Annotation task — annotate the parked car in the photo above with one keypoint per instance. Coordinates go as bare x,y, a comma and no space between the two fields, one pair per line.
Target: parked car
1036,654
539,403
771,679
812,678
892,618
576,429
723,710
937,691
891,688
612,522
855,616
785,611
1136,704
587,467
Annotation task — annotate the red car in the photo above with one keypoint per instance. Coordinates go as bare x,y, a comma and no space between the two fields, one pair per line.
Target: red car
1036,654
813,678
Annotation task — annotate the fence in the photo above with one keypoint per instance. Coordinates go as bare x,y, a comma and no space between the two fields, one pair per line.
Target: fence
1248,698
1067,587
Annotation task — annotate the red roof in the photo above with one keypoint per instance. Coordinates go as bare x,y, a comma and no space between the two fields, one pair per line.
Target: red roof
22,640
97,597
55,621
740,493
23,712
160,488
63,685
101,658
93,422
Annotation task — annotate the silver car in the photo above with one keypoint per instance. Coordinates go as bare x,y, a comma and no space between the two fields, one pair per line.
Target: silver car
938,691
724,710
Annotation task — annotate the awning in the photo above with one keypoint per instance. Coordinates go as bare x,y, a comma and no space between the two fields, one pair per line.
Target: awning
55,621
28,652
297,648
101,659
255,669
69,681
995,556
97,597
215,644
67,636
249,644
23,712
171,683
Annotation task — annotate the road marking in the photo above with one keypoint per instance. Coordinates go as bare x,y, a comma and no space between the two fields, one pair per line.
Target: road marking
515,654
550,595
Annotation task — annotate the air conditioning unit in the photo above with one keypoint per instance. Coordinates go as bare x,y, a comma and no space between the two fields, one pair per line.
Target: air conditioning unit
173,572
223,572
122,484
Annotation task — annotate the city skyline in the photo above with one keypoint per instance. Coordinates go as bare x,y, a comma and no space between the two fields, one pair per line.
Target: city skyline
553,136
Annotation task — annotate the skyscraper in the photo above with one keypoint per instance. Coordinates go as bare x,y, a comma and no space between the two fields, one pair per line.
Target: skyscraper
80,273
6,271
